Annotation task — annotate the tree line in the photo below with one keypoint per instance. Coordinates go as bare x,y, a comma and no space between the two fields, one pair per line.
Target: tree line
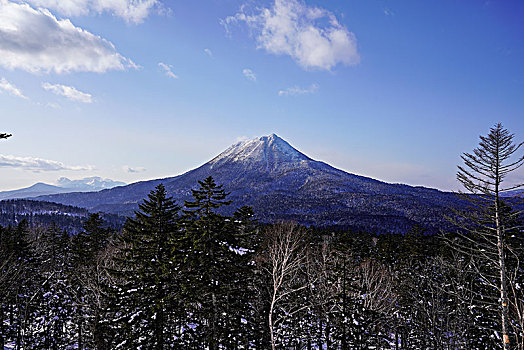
189,278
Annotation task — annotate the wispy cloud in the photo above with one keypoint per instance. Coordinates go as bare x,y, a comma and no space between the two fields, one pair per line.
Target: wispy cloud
296,90
53,105
134,11
131,170
37,164
167,70
248,73
36,41
241,139
208,52
388,12
68,92
312,36
10,89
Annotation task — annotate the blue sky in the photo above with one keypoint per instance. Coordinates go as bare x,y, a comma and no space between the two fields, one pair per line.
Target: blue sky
136,90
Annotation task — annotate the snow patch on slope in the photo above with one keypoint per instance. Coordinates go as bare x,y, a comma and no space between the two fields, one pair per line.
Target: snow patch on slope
269,150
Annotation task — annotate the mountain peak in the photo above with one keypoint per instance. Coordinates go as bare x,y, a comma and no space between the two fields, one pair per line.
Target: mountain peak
272,137
270,151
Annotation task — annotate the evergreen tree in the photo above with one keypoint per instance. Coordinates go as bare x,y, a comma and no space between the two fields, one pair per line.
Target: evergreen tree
51,327
10,273
87,279
147,284
216,265
484,225
21,290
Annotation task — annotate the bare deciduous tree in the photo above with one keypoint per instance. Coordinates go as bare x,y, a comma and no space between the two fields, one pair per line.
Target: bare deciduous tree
283,259
376,288
325,288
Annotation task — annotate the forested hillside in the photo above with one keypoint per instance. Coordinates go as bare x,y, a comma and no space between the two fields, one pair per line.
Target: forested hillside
39,213
190,278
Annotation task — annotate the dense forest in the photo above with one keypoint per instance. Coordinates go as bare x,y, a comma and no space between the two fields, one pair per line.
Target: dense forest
189,278
40,213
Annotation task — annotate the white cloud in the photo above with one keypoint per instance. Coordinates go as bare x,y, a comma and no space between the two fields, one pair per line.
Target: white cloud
129,169
296,90
36,164
241,139
53,105
208,52
36,41
10,88
134,11
69,92
248,73
312,36
167,70
388,12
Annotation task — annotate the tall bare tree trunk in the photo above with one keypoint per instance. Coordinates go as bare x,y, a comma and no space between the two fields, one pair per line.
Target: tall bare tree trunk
482,176
502,268
270,319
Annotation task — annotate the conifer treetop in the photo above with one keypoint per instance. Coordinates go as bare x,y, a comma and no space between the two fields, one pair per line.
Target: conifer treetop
485,169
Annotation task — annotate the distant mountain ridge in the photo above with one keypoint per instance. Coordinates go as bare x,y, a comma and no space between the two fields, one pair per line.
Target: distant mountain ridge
281,183
64,185
88,184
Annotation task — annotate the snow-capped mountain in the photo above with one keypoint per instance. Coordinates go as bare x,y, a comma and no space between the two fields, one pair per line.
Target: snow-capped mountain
88,184
270,152
63,185
281,183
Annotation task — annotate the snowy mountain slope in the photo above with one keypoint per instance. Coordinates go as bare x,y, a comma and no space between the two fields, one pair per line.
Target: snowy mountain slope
282,183
88,184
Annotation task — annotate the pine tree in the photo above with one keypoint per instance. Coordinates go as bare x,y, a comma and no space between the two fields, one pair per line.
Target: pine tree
244,320
484,225
87,280
51,327
10,272
216,264
21,289
144,305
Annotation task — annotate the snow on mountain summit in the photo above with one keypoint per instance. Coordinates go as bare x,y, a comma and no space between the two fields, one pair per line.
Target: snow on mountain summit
269,151
93,183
